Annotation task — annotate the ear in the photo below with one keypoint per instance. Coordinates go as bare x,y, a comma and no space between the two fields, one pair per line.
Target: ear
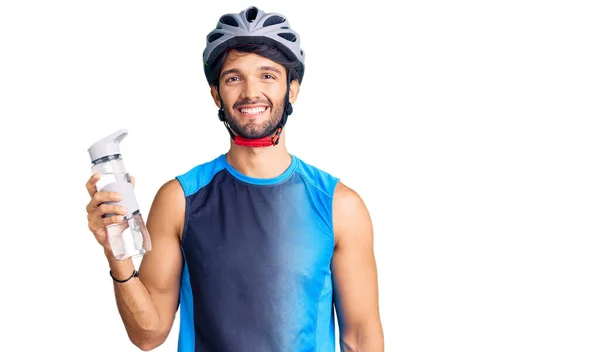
214,91
294,90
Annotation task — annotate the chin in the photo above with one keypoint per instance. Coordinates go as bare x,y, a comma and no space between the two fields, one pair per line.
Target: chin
254,133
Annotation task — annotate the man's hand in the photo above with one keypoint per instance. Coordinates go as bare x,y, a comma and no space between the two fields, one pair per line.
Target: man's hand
97,208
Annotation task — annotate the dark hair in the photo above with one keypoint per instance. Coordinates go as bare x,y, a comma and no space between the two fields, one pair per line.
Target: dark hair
263,50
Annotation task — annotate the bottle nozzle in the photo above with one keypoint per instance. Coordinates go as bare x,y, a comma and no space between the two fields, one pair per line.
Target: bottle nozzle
108,145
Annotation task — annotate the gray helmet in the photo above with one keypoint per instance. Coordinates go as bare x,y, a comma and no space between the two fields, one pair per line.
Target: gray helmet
253,26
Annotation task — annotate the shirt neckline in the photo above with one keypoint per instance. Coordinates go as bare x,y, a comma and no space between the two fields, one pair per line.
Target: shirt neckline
259,181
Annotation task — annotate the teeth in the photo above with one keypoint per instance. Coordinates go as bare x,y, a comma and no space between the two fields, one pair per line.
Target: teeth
253,110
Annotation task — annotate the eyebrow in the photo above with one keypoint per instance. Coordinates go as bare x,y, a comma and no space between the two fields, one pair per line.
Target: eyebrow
269,68
262,68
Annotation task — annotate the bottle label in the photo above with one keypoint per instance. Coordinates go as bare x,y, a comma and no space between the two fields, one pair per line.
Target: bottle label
126,190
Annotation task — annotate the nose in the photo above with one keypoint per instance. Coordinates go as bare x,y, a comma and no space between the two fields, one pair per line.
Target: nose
251,89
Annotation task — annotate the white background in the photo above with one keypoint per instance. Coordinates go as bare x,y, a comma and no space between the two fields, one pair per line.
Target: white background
470,128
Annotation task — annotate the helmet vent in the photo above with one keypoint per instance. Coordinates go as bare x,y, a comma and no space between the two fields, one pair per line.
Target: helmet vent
251,14
229,20
289,36
214,37
273,20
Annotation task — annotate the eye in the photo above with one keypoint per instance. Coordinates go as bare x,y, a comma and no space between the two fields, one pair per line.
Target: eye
231,79
268,76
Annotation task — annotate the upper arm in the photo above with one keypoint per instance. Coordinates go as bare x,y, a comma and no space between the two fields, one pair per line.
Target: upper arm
160,269
354,269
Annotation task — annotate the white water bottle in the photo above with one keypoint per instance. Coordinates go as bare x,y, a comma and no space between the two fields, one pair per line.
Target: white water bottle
129,238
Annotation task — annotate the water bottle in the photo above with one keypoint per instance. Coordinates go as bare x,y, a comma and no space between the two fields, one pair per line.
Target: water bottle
129,238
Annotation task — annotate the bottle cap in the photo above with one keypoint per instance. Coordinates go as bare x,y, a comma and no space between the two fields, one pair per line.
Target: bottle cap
107,146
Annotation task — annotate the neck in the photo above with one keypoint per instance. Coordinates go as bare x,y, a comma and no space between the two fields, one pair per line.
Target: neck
259,162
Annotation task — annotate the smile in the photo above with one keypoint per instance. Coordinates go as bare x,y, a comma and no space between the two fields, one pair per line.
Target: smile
253,111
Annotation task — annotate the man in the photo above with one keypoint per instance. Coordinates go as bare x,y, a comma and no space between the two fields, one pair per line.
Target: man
255,247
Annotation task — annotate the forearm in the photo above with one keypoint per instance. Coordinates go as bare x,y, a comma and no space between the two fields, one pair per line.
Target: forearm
136,307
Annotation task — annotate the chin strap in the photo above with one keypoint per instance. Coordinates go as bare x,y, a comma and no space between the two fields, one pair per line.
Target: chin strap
265,141
254,142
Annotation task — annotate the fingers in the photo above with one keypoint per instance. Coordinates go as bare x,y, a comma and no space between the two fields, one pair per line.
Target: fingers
91,184
102,197
111,220
104,209
100,204
98,225
97,221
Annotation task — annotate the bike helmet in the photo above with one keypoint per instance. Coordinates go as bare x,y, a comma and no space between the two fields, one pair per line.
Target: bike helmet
253,26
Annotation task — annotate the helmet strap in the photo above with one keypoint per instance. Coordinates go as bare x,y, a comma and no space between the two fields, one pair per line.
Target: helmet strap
265,141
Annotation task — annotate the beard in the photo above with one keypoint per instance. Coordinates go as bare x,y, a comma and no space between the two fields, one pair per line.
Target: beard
252,130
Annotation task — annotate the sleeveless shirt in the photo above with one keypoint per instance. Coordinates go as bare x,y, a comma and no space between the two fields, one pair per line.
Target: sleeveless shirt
257,254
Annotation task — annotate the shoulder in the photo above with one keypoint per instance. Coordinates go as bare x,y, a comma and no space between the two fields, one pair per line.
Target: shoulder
346,201
168,206
167,212
351,217
170,197
170,190
200,175
318,177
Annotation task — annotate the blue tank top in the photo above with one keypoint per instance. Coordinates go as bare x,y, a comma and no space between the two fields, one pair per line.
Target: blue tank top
257,254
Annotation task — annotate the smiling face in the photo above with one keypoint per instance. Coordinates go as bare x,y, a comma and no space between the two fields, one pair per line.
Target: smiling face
252,89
